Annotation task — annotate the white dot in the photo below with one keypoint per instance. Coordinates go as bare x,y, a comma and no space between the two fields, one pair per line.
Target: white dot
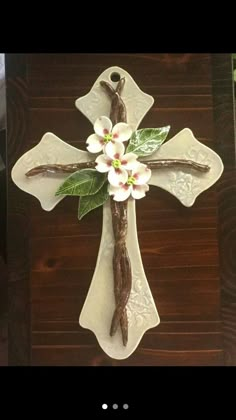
104,406
125,406
115,406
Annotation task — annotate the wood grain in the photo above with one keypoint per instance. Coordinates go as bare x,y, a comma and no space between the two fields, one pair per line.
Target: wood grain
83,355
225,138
3,268
179,246
3,314
18,215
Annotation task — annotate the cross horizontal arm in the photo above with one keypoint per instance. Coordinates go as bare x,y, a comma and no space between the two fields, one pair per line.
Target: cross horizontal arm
152,164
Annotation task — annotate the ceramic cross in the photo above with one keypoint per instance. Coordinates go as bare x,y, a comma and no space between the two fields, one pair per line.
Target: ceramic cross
180,178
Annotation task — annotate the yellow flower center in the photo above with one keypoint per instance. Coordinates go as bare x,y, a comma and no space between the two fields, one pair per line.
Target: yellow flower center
107,138
116,163
131,180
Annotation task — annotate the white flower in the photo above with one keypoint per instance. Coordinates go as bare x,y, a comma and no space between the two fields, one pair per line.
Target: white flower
116,163
106,134
136,184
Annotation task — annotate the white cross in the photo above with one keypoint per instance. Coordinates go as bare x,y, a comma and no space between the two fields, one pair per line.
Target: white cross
184,184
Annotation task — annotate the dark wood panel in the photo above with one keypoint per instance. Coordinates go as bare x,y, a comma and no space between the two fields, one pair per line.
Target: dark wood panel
197,218
57,326
152,341
225,138
160,205
3,192
3,314
49,93
170,67
161,221
184,300
90,355
69,125
179,246
175,63
161,101
18,215
47,277
161,248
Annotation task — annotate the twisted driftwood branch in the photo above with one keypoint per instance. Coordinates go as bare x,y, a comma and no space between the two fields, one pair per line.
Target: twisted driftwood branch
152,164
121,262
168,163
58,168
121,271
118,108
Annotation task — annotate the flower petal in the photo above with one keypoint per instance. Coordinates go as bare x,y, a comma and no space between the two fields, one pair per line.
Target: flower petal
142,174
102,126
129,161
139,191
121,132
95,144
103,163
115,150
120,193
117,177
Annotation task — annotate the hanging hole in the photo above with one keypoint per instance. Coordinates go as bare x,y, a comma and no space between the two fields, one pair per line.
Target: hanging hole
115,77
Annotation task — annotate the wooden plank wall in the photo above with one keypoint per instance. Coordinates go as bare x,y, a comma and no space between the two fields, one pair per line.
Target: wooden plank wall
17,214
224,117
179,246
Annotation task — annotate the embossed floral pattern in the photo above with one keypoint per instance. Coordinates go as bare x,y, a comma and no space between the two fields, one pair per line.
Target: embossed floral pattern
184,186
140,305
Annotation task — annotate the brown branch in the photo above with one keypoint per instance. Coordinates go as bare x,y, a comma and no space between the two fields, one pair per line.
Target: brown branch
121,262
152,164
119,223
110,91
170,163
124,292
118,108
60,168
120,85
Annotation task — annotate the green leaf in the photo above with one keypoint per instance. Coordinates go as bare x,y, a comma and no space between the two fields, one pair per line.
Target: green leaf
146,141
84,182
91,202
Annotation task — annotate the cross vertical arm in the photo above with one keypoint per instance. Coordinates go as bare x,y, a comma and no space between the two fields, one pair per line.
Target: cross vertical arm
121,261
